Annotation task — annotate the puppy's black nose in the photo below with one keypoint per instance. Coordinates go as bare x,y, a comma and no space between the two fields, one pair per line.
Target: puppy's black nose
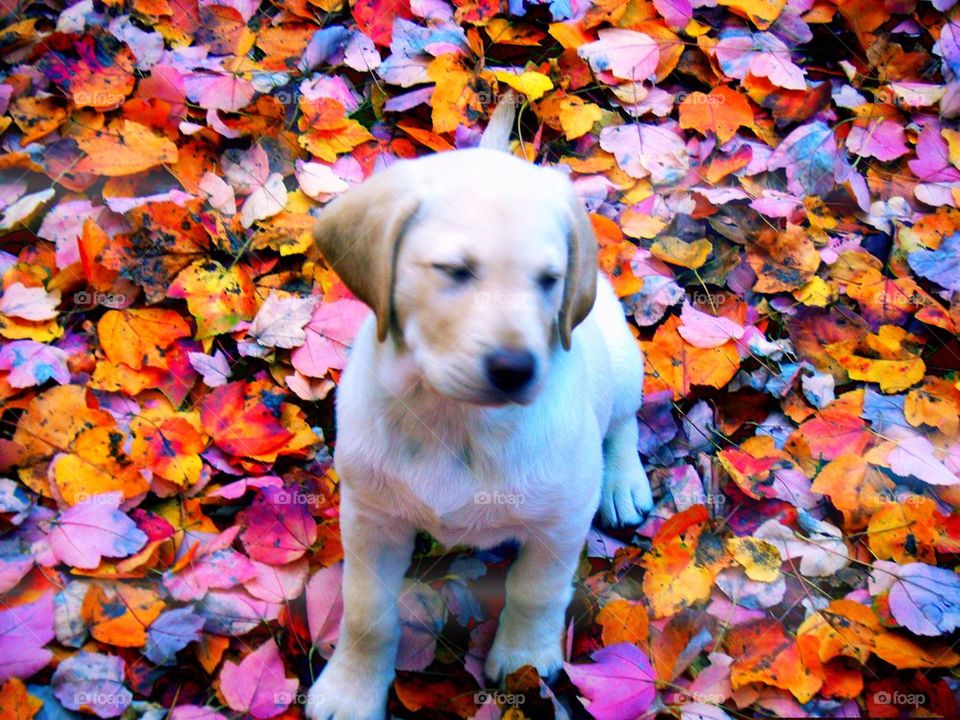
510,370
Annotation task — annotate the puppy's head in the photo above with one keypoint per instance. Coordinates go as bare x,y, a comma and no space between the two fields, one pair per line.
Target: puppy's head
477,262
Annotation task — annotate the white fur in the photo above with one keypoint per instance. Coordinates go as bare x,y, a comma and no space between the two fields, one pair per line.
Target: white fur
412,458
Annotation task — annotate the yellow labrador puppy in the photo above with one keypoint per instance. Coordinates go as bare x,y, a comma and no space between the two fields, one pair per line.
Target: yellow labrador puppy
492,396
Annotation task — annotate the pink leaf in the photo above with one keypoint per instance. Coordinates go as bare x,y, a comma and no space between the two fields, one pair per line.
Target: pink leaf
627,54
325,607
619,686
677,13
884,140
24,630
93,529
932,163
219,91
31,363
258,684
703,330
278,527
647,150
278,583
330,332
29,303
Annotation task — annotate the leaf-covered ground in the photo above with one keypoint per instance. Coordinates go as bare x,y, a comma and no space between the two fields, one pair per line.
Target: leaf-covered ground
775,188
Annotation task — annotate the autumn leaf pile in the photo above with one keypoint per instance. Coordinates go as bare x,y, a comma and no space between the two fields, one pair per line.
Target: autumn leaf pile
775,187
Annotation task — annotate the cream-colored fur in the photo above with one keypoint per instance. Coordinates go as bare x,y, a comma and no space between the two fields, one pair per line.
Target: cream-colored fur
425,441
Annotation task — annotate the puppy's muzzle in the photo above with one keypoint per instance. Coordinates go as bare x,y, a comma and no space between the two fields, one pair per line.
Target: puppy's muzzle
511,371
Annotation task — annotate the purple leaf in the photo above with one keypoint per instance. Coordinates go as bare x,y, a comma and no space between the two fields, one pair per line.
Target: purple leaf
94,681
619,685
942,265
93,529
24,630
926,599
258,684
171,632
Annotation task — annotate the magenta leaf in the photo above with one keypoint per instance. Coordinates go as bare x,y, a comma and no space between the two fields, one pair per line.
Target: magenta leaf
258,684
619,685
24,630
93,529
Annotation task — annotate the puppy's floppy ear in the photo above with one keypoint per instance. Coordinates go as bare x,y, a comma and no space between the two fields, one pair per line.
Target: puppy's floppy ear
580,289
359,235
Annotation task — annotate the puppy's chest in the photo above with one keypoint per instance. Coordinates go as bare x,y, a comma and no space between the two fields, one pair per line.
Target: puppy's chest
461,488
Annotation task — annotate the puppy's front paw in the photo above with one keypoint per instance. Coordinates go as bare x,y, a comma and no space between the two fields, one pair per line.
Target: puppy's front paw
626,496
338,696
507,656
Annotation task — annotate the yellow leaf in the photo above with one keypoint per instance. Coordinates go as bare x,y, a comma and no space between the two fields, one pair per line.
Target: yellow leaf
677,252
450,97
892,375
760,560
531,84
761,12
578,117
816,292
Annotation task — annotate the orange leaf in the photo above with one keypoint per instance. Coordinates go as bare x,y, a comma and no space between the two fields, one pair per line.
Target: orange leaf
783,261
124,148
138,337
37,117
682,563
120,615
98,465
674,363
855,488
624,621
764,653
15,703
848,628
906,531
722,112
53,419
218,297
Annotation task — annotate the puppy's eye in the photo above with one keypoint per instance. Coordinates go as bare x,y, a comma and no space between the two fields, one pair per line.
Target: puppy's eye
459,274
548,281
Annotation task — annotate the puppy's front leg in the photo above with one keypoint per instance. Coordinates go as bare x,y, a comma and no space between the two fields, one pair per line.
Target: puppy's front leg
355,683
539,589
